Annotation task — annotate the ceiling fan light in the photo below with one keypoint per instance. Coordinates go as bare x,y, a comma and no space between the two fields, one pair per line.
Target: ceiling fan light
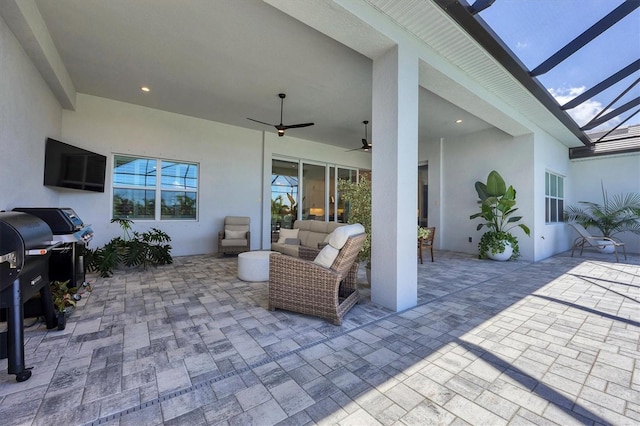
280,132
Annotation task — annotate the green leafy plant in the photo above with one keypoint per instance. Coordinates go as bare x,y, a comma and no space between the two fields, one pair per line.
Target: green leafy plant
619,213
497,203
278,208
358,210
61,295
495,242
423,233
131,250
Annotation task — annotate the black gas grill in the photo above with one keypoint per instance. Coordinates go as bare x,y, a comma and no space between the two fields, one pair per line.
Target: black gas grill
67,260
25,245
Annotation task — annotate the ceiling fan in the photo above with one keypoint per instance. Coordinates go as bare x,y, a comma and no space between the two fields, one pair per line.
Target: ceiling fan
282,127
366,145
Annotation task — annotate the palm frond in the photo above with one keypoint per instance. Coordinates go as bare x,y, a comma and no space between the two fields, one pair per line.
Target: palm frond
619,213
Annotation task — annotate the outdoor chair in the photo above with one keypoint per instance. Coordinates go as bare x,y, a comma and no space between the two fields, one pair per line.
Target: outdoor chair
426,243
302,285
601,243
236,236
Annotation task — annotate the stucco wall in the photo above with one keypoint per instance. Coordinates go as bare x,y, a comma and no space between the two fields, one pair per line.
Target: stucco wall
553,157
235,167
452,185
619,175
109,127
29,114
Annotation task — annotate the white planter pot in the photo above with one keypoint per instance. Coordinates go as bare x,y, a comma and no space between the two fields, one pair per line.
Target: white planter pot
607,247
502,256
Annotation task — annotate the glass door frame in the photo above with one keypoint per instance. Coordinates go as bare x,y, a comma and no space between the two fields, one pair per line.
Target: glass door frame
329,187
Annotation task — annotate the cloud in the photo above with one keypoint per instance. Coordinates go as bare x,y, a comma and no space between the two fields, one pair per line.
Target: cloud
583,112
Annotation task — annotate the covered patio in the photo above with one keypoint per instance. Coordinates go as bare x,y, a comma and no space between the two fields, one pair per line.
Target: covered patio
494,343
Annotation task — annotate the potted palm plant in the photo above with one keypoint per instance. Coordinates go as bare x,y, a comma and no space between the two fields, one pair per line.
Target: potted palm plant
496,209
619,213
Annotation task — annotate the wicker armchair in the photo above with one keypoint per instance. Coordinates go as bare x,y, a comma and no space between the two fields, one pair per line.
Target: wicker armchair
236,237
300,285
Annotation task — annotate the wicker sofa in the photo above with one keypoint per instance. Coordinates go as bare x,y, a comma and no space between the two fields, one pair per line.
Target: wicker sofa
309,234
302,285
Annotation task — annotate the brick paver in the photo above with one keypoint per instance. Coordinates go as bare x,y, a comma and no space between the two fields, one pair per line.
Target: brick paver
493,343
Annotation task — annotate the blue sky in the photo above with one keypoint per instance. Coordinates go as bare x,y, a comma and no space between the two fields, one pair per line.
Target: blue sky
535,29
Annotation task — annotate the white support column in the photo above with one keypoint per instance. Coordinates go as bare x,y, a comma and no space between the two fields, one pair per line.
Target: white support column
394,137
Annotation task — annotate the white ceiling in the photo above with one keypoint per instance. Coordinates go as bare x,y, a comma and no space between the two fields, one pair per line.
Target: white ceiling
226,60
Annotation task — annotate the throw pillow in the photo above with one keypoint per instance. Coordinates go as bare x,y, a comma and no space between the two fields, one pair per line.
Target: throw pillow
287,233
326,256
341,234
292,241
234,235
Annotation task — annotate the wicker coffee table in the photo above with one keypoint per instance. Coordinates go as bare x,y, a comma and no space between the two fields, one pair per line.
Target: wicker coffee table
254,265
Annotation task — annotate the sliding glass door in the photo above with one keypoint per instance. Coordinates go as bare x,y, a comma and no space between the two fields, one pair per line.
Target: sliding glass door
284,194
304,190
313,191
350,175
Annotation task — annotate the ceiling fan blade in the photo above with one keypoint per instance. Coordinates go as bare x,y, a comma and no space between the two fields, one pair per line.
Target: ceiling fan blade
366,147
295,126
282,127
261,122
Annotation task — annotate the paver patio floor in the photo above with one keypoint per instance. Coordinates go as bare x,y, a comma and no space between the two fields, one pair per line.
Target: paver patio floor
489,343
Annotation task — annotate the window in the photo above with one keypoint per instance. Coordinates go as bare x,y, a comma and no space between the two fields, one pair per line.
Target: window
148,188
554,198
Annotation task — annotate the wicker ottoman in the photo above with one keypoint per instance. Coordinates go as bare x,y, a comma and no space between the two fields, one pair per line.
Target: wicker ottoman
254,265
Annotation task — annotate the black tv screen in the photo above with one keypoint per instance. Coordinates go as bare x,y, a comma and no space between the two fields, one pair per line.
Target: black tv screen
68,166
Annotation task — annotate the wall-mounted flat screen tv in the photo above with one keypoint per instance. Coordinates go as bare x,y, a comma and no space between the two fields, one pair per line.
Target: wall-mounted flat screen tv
69,166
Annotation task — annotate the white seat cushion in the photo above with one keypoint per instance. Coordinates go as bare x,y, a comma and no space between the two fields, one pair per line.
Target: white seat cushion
327,256
337,239
340,235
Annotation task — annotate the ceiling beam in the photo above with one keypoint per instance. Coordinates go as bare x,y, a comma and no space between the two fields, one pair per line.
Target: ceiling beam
25,22
603,85
480,5
591,33
613,114
480,31
617,127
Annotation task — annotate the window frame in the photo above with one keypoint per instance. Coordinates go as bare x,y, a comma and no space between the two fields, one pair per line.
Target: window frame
158,188
554,197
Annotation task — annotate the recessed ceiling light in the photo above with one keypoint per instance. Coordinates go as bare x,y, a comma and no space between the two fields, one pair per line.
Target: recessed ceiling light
458,121
145,89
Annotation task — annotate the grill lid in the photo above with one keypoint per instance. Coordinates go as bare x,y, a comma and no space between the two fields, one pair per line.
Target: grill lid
61,220
21,231
21,235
